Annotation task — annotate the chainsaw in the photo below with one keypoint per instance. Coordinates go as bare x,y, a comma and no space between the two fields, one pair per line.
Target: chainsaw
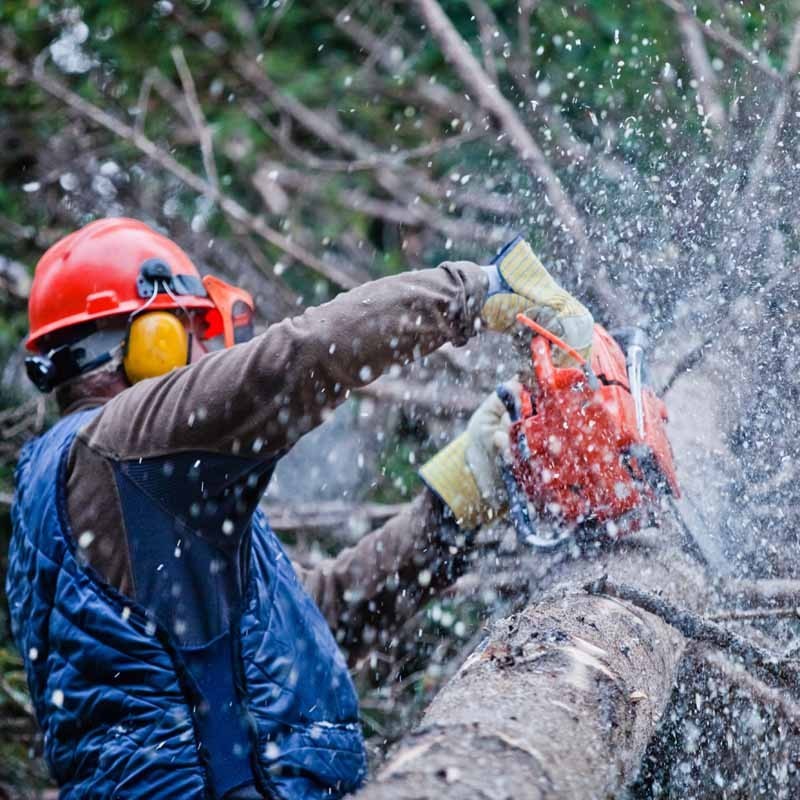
589,450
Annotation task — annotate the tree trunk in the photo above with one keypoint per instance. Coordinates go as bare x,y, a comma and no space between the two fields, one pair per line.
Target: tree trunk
562,698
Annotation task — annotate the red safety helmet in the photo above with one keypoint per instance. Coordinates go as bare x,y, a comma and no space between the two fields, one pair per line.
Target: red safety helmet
118,268
106,269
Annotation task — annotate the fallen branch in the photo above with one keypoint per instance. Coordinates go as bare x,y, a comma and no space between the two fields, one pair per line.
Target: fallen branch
335,514
754,613
693,626
775,592
769,697
559,701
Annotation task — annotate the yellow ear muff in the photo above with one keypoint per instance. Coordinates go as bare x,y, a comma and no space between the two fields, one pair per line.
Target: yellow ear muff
157,343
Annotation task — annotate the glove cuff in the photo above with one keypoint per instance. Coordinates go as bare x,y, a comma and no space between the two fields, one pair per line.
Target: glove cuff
448,475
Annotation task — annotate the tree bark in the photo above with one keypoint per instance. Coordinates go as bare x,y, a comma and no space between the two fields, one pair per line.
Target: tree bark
561,699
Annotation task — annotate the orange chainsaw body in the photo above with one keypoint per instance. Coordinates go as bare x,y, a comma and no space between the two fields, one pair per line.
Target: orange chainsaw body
587,461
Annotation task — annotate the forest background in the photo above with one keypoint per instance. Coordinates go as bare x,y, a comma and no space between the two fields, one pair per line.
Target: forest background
646,149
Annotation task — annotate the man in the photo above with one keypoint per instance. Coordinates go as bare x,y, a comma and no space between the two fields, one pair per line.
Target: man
170,648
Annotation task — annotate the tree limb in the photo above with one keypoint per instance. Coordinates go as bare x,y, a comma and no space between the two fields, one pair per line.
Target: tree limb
707,83
741,678
728,41
335,514
423,396
693,626
201,127
492,101
231,207
774,592
760,164
754,613
488,31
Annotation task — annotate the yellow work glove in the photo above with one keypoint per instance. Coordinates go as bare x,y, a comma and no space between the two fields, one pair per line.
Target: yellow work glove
518,282
466,473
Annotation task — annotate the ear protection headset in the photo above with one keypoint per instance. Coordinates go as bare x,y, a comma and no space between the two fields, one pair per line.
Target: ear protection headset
155,342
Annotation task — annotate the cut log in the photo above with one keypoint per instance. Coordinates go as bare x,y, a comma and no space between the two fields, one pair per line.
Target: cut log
560,700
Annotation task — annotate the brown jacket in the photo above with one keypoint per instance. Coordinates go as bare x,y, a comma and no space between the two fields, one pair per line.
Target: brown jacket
257,399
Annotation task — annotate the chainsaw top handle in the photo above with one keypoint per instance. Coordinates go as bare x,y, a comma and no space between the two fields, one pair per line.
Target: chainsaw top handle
543,366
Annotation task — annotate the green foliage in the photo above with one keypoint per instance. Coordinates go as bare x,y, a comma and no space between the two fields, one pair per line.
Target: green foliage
399,463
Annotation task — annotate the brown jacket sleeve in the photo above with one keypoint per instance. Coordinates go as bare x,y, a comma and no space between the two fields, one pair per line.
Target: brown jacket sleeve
259,398
368,591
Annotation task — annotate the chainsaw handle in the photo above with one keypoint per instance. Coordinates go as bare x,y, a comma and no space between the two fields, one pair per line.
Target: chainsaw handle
543,367
542,357
517,501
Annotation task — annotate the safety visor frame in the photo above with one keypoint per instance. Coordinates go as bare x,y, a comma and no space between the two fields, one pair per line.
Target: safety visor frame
232,315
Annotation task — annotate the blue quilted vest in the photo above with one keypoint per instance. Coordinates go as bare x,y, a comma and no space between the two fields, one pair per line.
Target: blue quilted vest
115,698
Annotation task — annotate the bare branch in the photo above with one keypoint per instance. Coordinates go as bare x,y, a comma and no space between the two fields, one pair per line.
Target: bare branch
201,127
15,282
696,627
144,99
324,127
335,514
393,160
423,396
276,20
697,56
740,677
414,213
434,96
488,30
755,613
775,592
14,229
759,167
526,9
491,100
728,41
687,363
151,150
154,80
